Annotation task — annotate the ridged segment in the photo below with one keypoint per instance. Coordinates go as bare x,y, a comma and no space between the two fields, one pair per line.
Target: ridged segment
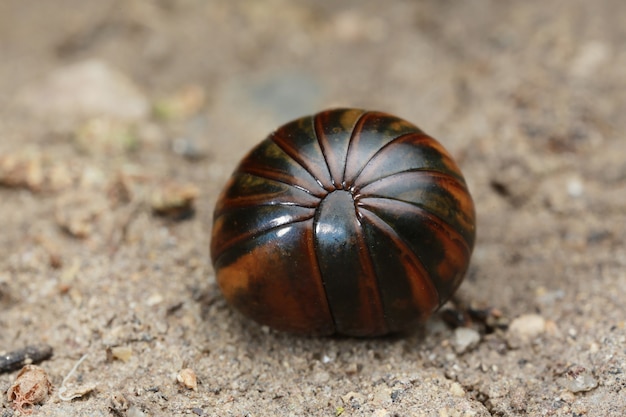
269,161
439,194
441,249
334,132
373,131
408,153
298,140
242,224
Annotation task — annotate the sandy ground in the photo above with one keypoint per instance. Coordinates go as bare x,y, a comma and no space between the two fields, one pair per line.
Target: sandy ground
110,110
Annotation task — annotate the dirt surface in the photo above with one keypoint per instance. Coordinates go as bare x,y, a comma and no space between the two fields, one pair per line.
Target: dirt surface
113,111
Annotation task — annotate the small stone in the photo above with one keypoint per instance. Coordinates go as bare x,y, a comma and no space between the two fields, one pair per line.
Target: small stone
154,299
352,368
457,390
198,411
174,200
578,379
465,339
524,329
134,411
21,171
188,379
31,386
122,353
575,188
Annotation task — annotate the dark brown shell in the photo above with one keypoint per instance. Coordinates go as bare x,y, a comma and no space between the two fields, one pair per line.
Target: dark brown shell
348,222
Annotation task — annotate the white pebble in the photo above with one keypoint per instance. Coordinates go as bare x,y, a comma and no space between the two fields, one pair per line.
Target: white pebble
465,339
524,329
135,412
575,188
578,379
457,390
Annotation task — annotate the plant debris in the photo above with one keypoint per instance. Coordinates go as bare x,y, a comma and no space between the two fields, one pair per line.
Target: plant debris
25,356
32,386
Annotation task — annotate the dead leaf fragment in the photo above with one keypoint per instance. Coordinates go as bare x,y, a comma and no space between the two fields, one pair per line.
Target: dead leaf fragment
32,386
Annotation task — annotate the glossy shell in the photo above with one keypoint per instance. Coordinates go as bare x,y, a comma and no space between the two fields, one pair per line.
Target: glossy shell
348,222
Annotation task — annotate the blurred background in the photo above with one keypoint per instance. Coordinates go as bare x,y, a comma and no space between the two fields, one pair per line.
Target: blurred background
259,63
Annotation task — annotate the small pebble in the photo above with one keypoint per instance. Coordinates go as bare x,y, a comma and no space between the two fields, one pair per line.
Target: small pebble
122,353
575,188
352,368
134,412
524,329
188,379
457,390
198,411
465,339
154,299
578,379
174,200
